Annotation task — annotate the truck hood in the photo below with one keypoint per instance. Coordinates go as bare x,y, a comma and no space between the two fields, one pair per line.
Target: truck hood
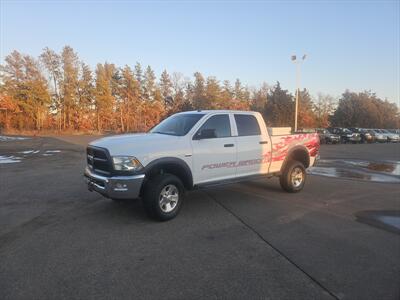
137,145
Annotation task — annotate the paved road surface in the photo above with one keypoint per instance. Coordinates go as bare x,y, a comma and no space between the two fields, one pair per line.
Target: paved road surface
248,240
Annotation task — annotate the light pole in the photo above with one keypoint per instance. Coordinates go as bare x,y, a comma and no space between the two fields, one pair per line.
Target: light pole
298,63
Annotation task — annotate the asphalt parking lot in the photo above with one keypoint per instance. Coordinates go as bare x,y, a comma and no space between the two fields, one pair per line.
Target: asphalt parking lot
243,241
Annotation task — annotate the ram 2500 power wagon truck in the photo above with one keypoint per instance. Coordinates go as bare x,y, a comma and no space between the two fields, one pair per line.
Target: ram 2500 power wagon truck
195,149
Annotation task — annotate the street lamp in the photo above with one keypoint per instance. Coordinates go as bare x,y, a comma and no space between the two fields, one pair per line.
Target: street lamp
298,63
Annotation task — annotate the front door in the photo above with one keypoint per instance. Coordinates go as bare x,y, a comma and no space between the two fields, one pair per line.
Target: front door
214,150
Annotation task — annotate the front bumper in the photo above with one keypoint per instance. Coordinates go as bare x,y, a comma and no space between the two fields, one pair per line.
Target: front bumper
355,139
334,139
116,187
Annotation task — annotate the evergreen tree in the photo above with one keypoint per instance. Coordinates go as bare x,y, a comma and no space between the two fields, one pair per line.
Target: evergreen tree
227,94
70,67
86,92
149,84
52,62
166,90
306,117
279,110
25,87
199,92
104,100
260,98
213,94
139,78
238,92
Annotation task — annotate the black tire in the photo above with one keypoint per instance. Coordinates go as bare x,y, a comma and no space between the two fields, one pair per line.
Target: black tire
152,197
286,181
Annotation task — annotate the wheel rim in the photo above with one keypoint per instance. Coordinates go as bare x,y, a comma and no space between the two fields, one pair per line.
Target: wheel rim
297,177
169,198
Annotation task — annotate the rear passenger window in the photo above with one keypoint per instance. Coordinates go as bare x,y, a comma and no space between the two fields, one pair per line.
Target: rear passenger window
219,124
247,125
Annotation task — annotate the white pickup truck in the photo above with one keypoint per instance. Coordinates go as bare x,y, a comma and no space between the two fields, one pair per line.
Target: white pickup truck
194,149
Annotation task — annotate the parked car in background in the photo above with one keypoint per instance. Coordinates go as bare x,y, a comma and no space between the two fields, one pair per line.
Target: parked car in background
378,136
391,137
325,137
365,135
346,135
396,131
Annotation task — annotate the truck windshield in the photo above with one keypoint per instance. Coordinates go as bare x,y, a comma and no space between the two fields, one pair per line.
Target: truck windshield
178,125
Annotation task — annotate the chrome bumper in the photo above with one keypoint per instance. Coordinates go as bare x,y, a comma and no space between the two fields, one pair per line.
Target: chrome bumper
117,187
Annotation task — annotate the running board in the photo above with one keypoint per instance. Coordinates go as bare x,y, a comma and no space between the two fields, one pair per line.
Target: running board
233,180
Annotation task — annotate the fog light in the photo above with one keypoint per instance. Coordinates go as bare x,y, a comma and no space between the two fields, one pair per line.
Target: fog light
121,186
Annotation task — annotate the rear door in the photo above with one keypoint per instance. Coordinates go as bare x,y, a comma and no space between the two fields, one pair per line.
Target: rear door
214,158
253,147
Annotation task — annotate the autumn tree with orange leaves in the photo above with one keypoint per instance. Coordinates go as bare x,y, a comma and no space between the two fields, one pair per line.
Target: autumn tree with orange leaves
59,92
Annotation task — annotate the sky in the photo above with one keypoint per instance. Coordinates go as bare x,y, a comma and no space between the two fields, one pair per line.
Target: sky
349,44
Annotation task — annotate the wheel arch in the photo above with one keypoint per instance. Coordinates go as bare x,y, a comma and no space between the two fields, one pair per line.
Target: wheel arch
298,153
171,165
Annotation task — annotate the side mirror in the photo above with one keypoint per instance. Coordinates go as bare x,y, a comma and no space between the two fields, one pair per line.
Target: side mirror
205,134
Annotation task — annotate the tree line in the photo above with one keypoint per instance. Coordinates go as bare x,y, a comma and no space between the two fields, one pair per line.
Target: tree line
58,91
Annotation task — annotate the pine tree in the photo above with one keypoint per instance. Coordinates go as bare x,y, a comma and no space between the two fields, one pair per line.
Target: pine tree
70,65
199,92
130,109
279,110
238,92
52,62
166,90
260,98
23,82
139,78
104,100
213,94
149,84
86,93
306,116
227,92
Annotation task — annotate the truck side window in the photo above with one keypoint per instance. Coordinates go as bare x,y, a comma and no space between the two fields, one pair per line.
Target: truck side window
247,125
219,124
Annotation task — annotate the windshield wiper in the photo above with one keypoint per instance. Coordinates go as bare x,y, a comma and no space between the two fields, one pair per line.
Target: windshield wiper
167,133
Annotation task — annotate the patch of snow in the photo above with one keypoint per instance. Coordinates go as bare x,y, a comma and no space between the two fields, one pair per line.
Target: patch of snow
47,154
53,151
9,159
27,152
4,138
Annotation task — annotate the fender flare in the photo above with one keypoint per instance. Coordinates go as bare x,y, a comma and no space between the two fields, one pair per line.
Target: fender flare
167,162
300,148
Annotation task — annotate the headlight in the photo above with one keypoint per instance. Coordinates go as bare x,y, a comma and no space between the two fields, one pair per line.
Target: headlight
126,163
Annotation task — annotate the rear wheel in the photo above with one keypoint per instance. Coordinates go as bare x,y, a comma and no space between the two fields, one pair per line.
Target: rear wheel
293,177
163,197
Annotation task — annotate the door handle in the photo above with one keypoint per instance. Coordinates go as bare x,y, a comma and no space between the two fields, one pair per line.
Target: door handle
263,142
229,145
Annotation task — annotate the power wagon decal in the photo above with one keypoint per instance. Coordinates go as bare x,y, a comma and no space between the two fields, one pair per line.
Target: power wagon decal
282,146
235,164
279,151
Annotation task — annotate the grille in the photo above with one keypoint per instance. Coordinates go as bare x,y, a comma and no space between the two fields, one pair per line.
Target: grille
98,160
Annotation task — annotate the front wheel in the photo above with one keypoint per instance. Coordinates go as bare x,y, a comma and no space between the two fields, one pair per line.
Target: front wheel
163,197
293,177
